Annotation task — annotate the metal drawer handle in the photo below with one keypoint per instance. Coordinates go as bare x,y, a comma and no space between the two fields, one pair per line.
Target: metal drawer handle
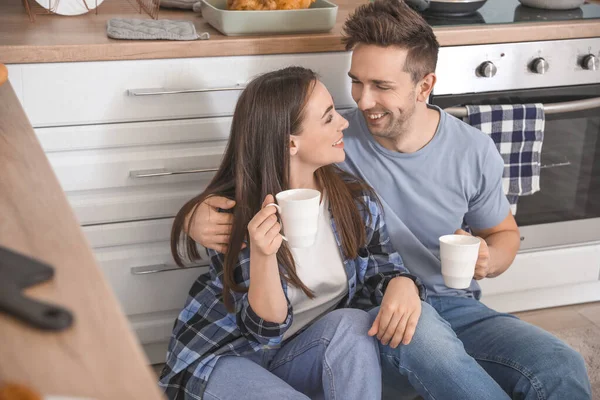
149,173
152,269
161,91
553,108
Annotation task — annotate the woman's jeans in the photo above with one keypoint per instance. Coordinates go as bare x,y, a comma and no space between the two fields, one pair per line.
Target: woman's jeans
465,350
334,358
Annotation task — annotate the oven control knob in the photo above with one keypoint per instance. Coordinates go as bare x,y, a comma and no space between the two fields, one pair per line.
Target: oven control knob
539,66
590,62
487,69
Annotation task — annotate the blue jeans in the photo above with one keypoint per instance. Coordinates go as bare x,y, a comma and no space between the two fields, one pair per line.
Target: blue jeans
465,350
334,358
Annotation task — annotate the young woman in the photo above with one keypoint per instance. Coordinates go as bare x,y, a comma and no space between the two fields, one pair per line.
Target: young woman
271,321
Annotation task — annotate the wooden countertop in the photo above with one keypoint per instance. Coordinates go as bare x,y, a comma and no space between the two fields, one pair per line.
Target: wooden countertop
97,357
54,38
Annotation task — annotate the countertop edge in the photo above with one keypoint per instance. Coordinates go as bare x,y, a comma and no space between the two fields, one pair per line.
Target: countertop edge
137,50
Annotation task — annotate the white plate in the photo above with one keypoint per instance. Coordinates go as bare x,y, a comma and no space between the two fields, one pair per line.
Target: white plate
70,7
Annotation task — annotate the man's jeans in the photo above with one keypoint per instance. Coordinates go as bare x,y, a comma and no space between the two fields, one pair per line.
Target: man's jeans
332,359
464,350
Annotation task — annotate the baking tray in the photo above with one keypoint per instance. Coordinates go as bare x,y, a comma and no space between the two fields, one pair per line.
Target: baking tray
319,17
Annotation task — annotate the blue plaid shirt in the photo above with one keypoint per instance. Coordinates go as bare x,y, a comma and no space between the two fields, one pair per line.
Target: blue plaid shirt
205,331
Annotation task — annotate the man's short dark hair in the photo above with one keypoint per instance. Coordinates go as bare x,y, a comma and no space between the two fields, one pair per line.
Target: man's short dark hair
393,23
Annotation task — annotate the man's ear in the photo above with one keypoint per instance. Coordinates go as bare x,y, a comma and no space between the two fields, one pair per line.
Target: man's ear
425,87
293,146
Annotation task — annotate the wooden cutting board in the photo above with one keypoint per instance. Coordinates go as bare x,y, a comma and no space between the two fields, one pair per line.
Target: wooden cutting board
98,357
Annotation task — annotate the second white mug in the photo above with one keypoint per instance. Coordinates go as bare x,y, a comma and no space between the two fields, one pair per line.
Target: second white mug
458,254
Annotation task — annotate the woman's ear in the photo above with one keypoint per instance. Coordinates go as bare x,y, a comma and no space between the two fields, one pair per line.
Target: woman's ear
293,146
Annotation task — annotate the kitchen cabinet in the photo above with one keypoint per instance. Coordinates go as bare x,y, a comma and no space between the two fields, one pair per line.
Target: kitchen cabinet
67,94
546,278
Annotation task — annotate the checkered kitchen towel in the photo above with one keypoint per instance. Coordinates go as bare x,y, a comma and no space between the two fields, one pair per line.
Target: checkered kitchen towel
518,131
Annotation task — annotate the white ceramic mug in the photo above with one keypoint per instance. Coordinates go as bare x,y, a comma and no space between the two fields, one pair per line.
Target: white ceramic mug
299,212
458,254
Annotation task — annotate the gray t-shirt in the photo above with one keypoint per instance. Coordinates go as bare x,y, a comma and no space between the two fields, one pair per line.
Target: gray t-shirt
456,178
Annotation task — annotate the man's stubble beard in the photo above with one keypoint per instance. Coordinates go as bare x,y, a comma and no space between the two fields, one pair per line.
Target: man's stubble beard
398,127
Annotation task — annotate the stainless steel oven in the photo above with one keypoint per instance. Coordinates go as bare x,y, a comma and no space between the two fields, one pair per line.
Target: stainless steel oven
565,77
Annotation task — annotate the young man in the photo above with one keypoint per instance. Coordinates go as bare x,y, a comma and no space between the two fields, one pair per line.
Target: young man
433,174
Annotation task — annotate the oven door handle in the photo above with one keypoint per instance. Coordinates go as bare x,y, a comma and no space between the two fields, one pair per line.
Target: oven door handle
553,108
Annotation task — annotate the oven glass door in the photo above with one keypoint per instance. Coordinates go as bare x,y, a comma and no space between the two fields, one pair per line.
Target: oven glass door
566,210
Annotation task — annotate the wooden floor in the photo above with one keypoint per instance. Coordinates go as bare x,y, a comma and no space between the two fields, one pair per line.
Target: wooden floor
559,318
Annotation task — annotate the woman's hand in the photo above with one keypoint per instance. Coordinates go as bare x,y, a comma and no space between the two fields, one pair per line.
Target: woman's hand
264,229
265,295
398,314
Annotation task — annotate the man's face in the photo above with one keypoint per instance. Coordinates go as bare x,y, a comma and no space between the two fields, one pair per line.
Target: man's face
382,90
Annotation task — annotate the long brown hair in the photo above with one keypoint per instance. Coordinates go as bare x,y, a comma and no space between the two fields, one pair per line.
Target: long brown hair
393,23
257,163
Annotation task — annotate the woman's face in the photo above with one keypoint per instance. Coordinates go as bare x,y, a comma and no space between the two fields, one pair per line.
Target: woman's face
320,141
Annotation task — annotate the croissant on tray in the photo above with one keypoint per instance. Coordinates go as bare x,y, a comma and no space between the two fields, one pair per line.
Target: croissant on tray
268,4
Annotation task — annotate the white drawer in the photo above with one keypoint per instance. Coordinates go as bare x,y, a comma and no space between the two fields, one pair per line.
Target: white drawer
148,292
128,233
545,269
93,164
151,301
154,328
107,136
94,92
132,203
85,170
